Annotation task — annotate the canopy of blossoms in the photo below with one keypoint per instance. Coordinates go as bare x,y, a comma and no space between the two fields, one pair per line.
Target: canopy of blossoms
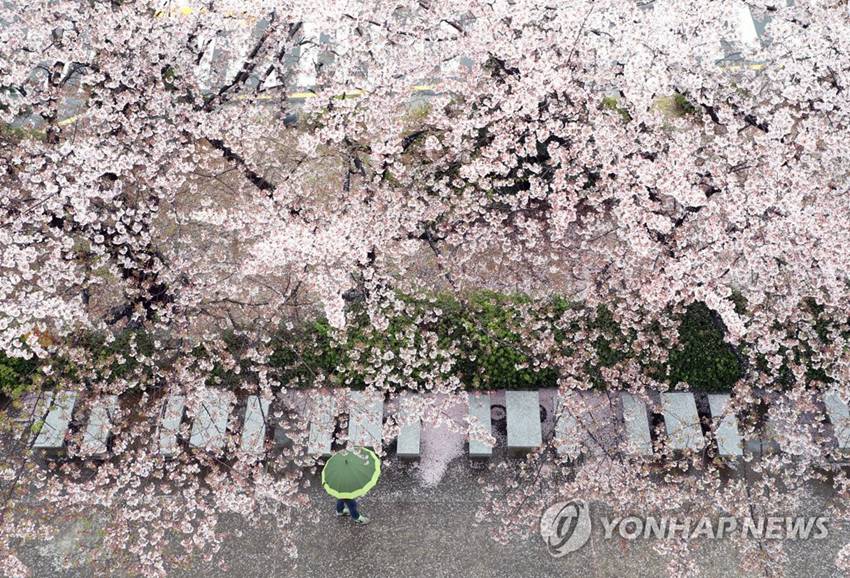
229,171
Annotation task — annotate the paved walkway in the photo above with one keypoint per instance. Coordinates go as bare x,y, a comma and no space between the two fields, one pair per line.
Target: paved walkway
414,531
417,531
431,531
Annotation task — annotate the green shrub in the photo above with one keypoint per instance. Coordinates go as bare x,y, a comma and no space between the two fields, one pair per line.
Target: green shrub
113,360
703,359
675,106
683,105
613,103
740,302
485,328
481,338
495,356
16,375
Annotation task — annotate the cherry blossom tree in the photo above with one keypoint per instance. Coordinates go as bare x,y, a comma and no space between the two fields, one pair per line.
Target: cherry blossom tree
186,188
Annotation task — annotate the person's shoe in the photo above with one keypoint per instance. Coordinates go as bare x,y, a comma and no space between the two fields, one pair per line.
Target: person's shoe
344,512
362,520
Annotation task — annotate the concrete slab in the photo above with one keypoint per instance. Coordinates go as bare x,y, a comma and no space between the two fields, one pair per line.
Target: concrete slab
209,425
600,421
523,420
636,423
568,435
96,434
60,406
479,419
366,415
585,422
839,416
169,425
322,410
682,421
408,445
729,441
255,425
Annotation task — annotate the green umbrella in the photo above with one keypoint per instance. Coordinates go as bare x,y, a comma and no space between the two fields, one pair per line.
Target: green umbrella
351,473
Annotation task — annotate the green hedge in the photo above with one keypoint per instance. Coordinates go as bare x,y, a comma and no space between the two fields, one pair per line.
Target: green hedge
485,330
703,359
485,333
16,375
488,328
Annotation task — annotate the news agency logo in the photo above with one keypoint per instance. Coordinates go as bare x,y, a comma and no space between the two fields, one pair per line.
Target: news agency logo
565,527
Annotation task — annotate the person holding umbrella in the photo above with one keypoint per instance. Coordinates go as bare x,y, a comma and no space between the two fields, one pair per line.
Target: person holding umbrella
348,475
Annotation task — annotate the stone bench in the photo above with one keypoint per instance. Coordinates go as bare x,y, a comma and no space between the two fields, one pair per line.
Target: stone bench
322,410
636,422
169,425
587,422
523,420
409,436
96,435
839,416
567,435
682,421
479,419
209,426
726,432
366,419
54,428
780,433
254,426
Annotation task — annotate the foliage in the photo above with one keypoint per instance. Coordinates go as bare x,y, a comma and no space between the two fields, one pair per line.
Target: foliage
17,134
613,103
487,331
740,301
676,105
204,239
15,375
703,359
491,339
683,105
484,330
117,356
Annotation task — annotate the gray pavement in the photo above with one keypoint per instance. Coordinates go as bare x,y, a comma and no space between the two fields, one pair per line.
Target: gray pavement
417,530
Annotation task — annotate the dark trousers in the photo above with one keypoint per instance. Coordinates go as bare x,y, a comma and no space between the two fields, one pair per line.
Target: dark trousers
352,507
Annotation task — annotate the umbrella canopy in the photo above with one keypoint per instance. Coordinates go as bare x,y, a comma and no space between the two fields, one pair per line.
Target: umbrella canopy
349,474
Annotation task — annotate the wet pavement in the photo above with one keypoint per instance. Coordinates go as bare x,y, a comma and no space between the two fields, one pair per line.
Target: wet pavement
419,529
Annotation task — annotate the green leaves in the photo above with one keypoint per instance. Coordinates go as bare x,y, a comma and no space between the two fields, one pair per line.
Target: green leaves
485,339
479,338
15,375
703,359
613,103
493,327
